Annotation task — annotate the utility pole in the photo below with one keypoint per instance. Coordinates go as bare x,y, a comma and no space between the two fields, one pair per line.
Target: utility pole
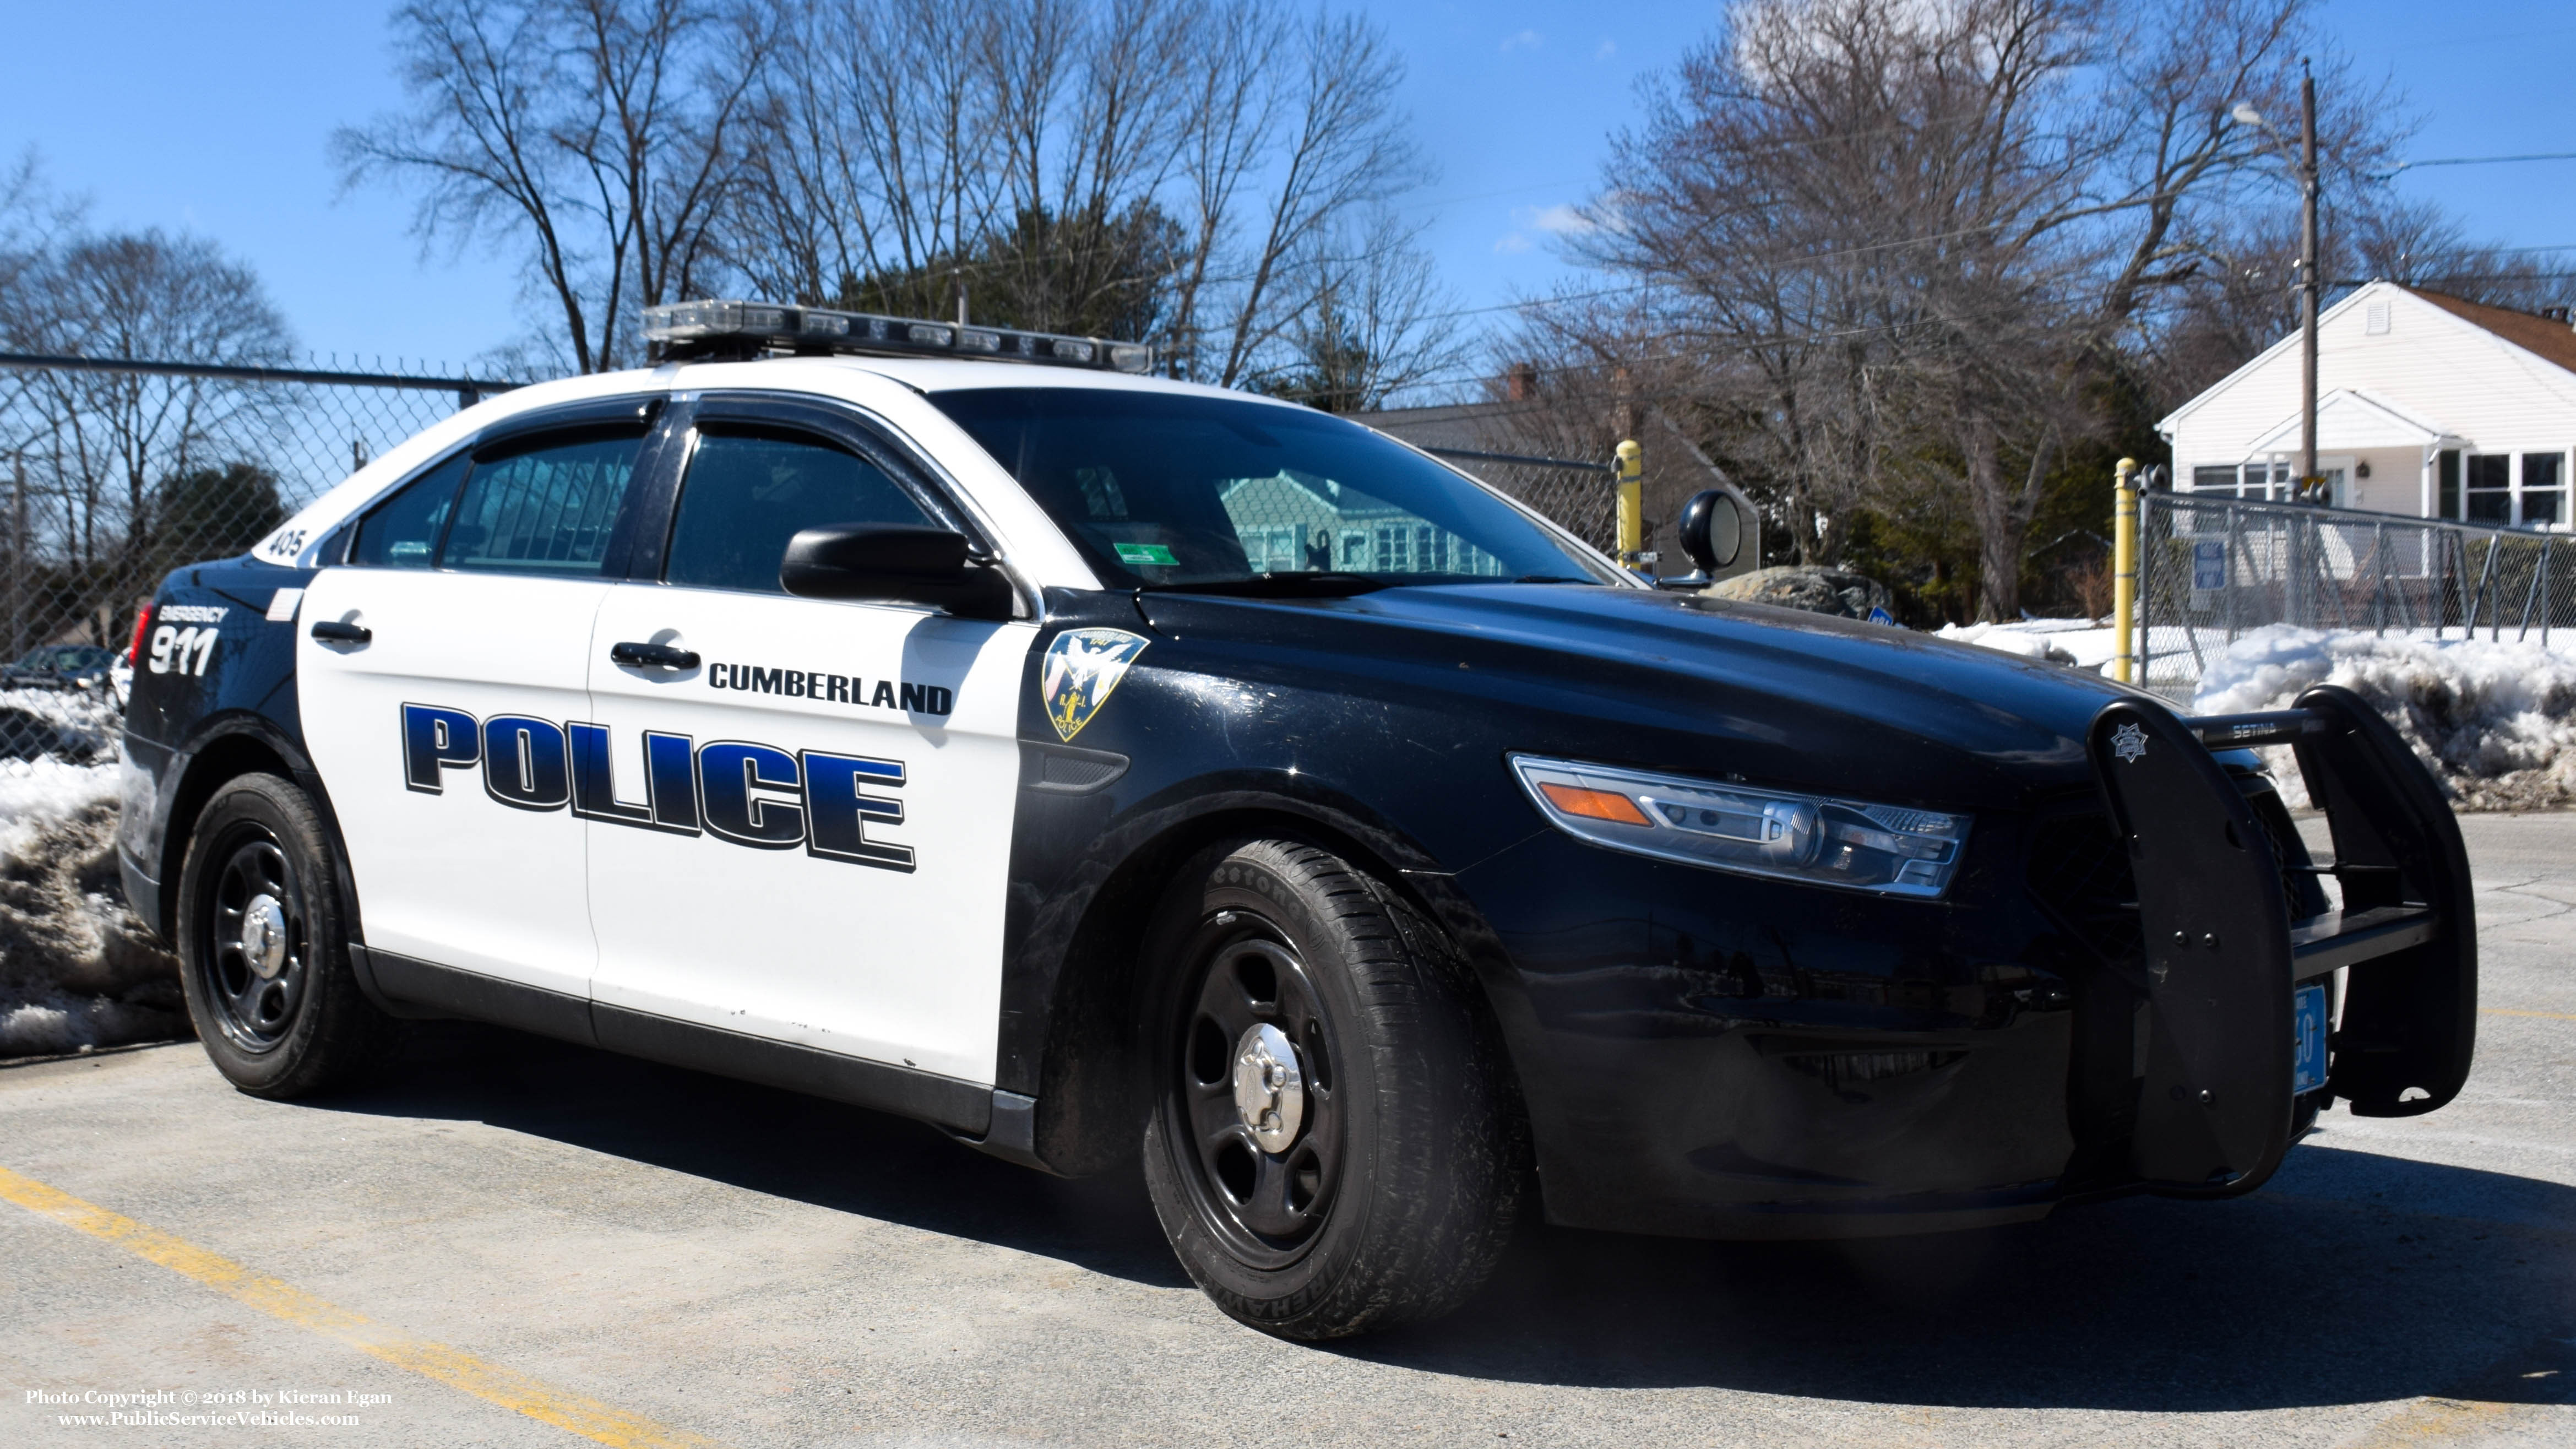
2310,484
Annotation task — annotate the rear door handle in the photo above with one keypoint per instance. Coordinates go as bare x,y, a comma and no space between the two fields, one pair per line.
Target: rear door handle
333,631
653,656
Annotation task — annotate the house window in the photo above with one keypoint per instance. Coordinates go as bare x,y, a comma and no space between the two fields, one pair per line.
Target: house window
2221,481
2490,493
2374,319
2450,476
2544,489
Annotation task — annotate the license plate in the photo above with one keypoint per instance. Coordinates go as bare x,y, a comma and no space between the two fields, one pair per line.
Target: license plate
2308,1052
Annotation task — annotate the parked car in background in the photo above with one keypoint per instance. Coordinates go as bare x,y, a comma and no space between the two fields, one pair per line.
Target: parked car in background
59,666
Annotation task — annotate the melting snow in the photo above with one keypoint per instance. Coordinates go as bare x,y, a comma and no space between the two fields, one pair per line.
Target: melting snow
76,970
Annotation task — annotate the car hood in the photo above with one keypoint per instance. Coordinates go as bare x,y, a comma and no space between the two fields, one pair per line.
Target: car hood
1669,680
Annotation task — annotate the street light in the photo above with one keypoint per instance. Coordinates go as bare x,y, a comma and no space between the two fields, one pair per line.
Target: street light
2305,163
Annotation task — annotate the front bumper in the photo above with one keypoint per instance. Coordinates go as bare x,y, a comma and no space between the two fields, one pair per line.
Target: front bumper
1707,1055
2223,955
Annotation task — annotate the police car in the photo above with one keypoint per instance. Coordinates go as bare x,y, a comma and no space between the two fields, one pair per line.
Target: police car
962,723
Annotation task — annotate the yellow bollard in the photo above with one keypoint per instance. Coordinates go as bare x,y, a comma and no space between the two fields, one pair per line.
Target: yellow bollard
1632,503
2124,569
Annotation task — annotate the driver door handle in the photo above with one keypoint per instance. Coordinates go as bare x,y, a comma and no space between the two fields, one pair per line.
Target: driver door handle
333,631
653,656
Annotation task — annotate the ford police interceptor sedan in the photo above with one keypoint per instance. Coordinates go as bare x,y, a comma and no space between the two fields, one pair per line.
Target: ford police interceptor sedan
956,722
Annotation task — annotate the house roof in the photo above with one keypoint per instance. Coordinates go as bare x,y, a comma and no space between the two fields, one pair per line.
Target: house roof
2544,337
2349,418
2552,342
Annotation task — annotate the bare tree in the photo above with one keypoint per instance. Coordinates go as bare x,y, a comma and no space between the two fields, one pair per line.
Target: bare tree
596,136
1344,149
1909,241
1373,323
101,448
1174,165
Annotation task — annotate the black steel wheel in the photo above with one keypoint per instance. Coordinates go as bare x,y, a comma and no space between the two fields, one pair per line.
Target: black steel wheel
257,945
1253,1078
263,949
1335,1144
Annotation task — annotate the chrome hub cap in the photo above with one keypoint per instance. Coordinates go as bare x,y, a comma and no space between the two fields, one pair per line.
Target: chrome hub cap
1269,1090
263,936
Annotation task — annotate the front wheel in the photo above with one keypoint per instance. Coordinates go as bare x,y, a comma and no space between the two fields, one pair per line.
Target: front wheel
1335,1146
263,946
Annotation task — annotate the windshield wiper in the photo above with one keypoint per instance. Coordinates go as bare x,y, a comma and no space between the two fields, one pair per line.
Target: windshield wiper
1320,584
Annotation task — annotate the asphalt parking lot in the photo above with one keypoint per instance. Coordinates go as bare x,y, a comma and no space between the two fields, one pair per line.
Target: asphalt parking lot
510,1241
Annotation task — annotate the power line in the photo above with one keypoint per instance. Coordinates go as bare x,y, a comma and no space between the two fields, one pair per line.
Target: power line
2473,161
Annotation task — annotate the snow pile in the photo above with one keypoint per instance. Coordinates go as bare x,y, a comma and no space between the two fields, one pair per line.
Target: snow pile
2008,639
2495,721
76,970
65,724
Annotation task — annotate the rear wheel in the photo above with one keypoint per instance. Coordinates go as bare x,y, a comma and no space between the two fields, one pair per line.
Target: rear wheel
1335,1146
263,946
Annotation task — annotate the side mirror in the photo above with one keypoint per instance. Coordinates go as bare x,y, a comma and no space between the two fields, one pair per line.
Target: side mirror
1712,532
903,563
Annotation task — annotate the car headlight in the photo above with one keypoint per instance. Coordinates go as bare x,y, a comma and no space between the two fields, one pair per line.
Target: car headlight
1890,849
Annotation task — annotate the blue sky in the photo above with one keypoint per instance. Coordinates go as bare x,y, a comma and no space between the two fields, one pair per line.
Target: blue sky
214,118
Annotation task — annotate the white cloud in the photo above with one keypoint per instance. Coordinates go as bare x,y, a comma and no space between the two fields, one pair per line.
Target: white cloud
1560,219
1511,244
1525,40
1605,50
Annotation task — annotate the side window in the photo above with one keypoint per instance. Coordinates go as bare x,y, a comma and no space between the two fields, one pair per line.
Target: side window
747,494
402,532
546,509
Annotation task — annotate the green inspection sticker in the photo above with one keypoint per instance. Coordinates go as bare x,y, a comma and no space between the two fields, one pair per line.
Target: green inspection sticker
1145,553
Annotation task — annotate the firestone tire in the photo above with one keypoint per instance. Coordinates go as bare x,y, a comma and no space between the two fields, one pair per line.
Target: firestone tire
1381,1189
263,947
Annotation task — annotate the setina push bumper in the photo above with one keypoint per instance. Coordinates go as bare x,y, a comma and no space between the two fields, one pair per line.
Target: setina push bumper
2238,1034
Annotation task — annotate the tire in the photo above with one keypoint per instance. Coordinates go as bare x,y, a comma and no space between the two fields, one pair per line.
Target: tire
1373,1175
280,1012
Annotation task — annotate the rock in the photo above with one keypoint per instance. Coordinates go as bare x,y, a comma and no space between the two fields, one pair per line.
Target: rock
1801,586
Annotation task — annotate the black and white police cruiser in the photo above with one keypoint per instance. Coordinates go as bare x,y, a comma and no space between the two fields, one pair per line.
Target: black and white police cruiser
962,723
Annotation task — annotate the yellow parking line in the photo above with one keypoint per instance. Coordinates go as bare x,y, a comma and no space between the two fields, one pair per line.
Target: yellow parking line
2544,1015
455,1368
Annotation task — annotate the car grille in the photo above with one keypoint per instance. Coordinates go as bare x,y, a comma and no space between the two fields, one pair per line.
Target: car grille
2300,891
2079,870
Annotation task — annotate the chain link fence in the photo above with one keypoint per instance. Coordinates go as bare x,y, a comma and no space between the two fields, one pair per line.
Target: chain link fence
2210,569
117,471
113,472
1582,498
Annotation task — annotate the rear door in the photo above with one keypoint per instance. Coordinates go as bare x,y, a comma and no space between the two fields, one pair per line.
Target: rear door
437,719
800,818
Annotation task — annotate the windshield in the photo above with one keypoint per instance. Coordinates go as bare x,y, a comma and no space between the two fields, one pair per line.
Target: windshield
1164,491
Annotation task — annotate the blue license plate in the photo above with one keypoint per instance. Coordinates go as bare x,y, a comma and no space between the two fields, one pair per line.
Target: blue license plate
2308,1052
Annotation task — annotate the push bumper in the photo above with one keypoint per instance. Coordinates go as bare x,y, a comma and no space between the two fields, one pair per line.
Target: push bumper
2224,955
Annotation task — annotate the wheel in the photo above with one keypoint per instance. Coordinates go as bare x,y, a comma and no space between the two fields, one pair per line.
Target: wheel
262,949
1335,1144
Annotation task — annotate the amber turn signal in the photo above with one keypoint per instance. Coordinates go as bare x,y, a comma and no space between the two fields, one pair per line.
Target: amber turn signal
1597,804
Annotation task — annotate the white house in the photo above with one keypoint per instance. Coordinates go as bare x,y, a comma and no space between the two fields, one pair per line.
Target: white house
2426,405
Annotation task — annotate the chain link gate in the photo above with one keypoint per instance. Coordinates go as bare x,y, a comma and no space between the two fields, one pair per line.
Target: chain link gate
2211,569
118,471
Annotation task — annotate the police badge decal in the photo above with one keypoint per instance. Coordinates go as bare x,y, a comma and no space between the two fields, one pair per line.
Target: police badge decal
1082,666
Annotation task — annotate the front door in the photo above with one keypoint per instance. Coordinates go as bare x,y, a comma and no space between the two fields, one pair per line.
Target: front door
437,719
802,831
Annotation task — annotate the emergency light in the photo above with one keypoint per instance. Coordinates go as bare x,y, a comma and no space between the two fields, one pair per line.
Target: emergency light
704,329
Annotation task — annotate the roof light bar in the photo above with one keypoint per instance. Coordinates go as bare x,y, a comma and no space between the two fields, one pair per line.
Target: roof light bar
749,329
